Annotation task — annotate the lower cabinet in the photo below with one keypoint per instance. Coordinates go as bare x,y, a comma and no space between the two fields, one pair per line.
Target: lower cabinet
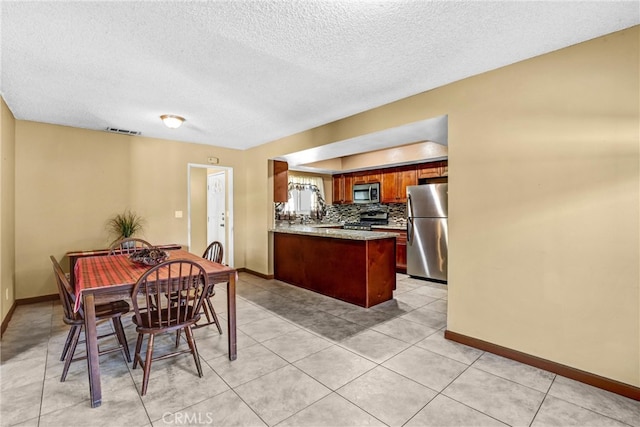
401,249
360,272
401,252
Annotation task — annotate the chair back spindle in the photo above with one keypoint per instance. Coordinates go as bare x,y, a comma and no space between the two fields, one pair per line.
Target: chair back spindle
185,281
214,252
128,246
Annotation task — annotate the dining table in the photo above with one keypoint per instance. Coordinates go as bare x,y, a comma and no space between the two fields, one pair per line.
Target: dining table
101,279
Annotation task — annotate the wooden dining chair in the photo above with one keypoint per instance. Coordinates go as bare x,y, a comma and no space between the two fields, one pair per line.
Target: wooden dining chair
128,246
110,311
187,282
215,253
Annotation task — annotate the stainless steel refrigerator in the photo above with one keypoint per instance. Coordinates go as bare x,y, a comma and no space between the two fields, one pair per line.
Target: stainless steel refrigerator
427,240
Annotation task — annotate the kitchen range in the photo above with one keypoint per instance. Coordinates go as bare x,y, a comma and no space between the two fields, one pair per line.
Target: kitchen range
367,220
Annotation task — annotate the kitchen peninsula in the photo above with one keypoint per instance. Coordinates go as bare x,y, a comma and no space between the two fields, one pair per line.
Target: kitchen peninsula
351,265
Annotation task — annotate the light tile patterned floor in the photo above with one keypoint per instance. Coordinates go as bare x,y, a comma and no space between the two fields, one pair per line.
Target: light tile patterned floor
303,360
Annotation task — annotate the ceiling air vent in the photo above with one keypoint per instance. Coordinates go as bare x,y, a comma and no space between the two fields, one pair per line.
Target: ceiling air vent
123,131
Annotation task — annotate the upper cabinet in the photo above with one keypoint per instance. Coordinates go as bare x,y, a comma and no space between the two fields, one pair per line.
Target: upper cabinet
366,177
395,182
342,189
280,181
433,170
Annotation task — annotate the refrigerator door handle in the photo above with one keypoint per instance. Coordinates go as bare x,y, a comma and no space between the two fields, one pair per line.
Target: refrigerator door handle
410,231
409,205
409,220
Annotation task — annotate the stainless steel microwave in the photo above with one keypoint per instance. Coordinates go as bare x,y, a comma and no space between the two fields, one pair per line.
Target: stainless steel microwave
366,193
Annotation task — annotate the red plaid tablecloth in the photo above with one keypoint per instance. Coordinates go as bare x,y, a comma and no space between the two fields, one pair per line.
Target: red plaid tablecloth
116,270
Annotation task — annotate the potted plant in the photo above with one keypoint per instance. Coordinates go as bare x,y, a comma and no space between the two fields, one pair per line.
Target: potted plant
125,224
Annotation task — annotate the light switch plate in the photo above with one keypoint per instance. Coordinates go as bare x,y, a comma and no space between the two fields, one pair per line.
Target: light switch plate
178,214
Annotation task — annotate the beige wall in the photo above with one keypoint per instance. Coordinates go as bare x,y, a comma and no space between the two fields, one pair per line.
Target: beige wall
7,206
198,210
544,202
70,181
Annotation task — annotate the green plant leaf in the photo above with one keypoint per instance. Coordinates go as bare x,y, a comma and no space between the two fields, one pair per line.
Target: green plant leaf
125,224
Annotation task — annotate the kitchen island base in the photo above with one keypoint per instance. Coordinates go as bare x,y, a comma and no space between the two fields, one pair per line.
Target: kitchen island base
360,272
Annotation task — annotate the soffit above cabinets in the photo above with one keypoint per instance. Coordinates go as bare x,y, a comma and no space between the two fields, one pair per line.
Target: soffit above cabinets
410,143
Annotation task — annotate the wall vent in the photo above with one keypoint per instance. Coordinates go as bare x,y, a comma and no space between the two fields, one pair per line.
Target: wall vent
123,131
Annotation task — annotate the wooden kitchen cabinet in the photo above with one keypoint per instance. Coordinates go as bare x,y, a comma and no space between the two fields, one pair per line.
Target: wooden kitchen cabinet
360,272
367,177
280,181
401,248
394,184
401,251
444,168
433,170
342,189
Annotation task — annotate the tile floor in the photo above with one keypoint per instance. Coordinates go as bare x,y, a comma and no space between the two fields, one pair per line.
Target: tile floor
303,360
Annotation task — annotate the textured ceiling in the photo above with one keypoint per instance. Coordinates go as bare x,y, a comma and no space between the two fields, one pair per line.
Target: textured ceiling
248,72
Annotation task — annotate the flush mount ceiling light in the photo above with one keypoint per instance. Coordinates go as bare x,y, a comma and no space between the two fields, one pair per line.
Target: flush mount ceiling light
172,121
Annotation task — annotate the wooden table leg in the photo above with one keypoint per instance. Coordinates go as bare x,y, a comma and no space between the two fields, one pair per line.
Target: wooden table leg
91,337
231,315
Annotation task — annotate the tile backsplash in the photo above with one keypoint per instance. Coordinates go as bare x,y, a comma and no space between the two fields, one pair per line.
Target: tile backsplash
351,212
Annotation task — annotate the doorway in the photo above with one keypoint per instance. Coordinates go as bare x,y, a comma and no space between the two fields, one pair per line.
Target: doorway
210,208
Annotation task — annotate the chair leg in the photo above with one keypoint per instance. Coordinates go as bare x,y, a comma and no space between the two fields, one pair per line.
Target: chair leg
70,353
178,337
147,365
72,330
136,355
194,349
122,338
213,313
206,311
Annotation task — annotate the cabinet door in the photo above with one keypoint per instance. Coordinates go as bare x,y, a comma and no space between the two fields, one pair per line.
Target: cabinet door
374,176
429,170
338,189
433,169
401,252
388,186
405,178
366,177
444,168
280,181
342,189
348,189
359,178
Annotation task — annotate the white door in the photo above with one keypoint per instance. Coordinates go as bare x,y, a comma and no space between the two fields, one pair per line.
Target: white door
216,208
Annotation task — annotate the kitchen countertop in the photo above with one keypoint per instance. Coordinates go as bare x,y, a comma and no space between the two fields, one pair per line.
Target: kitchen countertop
320,230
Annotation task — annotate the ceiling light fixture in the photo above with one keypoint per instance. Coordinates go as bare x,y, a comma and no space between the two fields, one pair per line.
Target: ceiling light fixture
171,121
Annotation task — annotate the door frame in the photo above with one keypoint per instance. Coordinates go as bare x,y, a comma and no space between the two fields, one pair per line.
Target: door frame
228,215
